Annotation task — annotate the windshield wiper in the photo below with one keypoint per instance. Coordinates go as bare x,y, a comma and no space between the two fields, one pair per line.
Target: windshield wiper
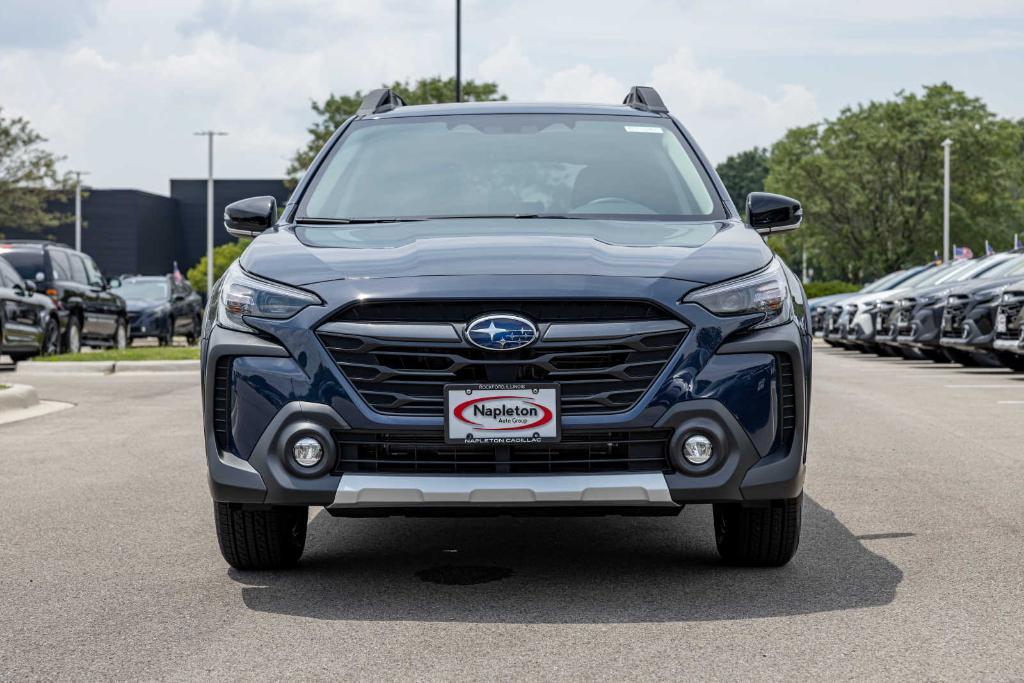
410,219
347,221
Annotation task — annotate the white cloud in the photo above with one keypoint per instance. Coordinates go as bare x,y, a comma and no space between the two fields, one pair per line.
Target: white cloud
582,84
119,85
723,115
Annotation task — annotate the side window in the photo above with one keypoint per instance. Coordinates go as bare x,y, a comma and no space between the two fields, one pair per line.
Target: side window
60,264
77,269
95,279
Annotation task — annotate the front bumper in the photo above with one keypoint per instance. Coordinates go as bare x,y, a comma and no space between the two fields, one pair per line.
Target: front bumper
727,390
144,324
925,328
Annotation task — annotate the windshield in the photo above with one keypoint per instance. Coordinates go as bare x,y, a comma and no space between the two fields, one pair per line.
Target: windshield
29,264
512,165
143,289
1010,265
884,281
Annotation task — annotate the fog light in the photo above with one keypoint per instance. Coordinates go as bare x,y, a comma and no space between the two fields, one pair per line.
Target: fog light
697,449
307,451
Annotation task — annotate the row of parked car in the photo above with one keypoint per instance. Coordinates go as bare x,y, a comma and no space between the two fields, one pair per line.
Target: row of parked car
967,311
54,299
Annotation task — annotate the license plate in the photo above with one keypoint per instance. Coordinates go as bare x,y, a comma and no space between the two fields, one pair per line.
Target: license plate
1001,322
502,413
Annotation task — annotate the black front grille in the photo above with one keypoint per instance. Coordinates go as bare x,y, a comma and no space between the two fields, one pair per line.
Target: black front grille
953,317
787,399
905,319
835,313
1011,308
577,453
222,401
611,310
885,319
604,375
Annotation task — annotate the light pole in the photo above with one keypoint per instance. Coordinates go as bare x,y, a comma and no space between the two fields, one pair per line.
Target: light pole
946,144
78,208
209,208
458,50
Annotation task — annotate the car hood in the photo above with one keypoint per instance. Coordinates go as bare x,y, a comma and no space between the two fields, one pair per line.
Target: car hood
829,299
696,252
139,305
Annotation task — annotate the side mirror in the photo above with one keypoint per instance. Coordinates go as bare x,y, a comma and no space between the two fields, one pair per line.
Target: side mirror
250,217
771,213
30,287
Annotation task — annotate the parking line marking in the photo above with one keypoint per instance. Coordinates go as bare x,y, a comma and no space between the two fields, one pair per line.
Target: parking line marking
1010,402
984,386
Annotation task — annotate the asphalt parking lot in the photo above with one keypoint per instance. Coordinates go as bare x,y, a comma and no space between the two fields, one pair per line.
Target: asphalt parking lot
910,563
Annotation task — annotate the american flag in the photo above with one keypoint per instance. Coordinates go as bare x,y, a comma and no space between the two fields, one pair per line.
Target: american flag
177,273
988,249
961,253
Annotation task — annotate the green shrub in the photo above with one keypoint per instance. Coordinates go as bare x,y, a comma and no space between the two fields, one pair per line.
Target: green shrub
829,287
223,256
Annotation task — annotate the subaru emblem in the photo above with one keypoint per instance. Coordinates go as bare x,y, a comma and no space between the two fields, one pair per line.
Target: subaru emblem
501,332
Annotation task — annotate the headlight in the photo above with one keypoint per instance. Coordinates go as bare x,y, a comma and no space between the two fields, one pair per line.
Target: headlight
766,291
869,306
985,295
929,299
241,295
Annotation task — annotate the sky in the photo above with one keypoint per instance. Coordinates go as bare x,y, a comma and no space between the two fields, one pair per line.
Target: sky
119,86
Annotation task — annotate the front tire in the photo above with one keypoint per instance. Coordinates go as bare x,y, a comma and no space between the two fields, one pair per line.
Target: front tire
261,539
51,340
73,336
1010,360
759,536
121,336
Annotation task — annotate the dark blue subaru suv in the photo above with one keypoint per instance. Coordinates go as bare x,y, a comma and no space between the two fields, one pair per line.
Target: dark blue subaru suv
495,308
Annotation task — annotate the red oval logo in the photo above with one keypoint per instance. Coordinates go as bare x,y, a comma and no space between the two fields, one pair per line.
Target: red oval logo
542,414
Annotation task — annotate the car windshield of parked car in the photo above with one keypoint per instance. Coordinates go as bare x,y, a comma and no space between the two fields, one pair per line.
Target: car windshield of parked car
1009,265
147,290
512,165
29,264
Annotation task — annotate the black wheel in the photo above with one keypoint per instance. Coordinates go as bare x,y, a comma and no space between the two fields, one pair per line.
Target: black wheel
964,358
121,336
261,539
935,355
168,339
193,334
758,536
73,336
1010,360
51,339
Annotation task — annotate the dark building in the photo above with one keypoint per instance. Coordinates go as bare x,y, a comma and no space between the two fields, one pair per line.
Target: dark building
131,231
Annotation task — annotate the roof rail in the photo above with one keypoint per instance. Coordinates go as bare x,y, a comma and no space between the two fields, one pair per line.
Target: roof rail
38,243
645,98
379,101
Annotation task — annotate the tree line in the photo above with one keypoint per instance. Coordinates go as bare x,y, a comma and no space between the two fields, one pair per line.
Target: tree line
871,182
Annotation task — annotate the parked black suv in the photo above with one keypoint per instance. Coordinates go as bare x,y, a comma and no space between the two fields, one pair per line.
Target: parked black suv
28,321
160,306
87,311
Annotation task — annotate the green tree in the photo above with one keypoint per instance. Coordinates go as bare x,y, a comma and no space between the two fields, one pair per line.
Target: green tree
744,173
333,111
871,181
223,256
29,179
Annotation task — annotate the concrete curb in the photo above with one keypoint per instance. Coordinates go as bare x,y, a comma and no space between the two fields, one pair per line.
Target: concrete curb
156,366
18,397
111,367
